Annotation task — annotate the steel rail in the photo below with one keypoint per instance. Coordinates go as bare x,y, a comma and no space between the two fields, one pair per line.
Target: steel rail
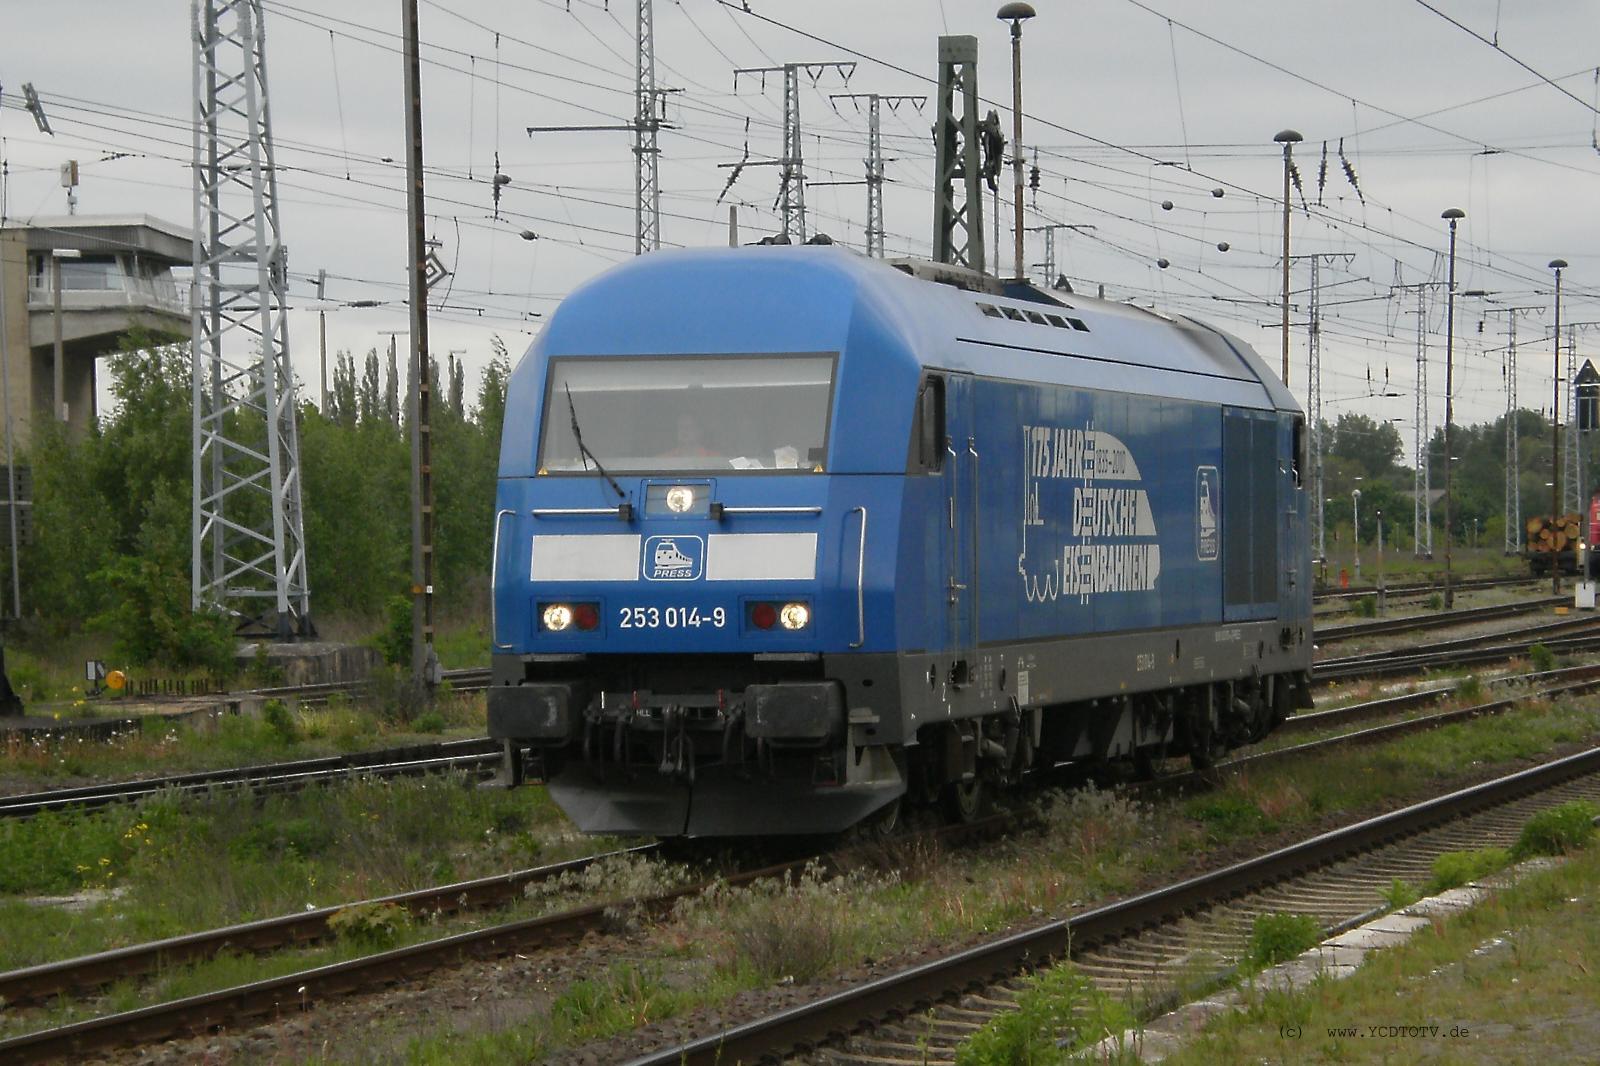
163,1020
841,1013
86,973
1416,588
1438,620
473,754
273,996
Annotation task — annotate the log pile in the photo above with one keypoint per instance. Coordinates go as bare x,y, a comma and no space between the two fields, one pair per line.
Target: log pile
1546,534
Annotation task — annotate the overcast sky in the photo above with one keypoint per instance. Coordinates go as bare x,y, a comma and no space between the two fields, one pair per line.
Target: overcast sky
1130,105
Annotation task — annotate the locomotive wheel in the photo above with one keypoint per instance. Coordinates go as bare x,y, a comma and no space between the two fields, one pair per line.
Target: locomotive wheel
963,800
884,823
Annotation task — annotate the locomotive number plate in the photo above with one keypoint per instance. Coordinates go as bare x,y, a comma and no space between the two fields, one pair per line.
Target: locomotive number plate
671,617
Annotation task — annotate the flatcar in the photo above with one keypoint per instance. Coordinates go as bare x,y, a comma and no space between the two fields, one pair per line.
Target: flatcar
788,539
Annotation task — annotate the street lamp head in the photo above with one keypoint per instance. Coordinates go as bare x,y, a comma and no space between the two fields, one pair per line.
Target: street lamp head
1014,13
1475,292
1288,137
1558,264
1453,213
1356,493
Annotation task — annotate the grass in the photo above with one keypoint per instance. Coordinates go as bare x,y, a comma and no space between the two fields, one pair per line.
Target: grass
163,746
180,866
1512,979
1091,846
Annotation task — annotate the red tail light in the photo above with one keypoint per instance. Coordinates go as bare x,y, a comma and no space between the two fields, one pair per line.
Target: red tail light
763,615
585,616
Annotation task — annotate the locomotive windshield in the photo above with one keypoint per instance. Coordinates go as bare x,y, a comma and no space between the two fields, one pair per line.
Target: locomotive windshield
667,414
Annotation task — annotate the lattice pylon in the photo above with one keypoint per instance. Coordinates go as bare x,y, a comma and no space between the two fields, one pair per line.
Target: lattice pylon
647,126
248,540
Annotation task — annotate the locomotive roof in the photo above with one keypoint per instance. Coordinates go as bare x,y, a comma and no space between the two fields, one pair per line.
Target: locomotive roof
815,298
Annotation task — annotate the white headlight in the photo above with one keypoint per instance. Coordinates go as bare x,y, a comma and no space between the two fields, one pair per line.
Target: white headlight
557,616
794,616
680,498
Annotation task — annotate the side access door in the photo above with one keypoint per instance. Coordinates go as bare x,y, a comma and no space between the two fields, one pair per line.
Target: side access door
961,490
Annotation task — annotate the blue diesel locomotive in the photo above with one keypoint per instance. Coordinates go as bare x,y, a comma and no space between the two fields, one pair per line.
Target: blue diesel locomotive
787,538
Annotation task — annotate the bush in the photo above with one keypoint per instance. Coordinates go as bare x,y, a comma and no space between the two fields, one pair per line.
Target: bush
150,620
394,642
280,721
1365,607
371,925
1456,868
1276,938
1434,602
1469,689
1558,830
431,722
1058,1012
1543,658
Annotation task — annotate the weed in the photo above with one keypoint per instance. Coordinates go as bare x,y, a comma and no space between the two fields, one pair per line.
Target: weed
1469,689
628,997
1276,938
1558,830
1365,607
1456,868
1400,894
1542,658
792,933
431,722
370,925
1434,602
1058,1012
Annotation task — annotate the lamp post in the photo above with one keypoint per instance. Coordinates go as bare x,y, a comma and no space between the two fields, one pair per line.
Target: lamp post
1558,265
1453,215
1016,13
1380,561
1355,531
1287,138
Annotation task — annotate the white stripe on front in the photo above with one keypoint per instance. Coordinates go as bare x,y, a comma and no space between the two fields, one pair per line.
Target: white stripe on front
585,557
761,557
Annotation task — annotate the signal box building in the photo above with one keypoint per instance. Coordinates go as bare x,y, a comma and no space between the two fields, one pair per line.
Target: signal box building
115,274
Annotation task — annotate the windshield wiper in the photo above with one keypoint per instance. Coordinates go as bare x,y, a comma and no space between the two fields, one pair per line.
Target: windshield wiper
589,457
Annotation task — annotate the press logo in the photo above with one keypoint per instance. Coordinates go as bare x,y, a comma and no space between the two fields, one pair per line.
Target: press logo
1206,540
675,558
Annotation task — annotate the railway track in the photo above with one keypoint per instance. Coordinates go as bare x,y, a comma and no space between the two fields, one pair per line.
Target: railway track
1563,637
476,756
1409,589
1326,635
240,1004
920,1015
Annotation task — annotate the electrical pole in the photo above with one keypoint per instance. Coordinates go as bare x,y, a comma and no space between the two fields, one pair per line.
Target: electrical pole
874,179
957,189
1287,138
1513,488
646,125
248,542
424,664
1314,407
322,334
1572,488
792,182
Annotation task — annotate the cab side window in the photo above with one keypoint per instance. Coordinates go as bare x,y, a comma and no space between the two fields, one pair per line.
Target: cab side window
927,428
